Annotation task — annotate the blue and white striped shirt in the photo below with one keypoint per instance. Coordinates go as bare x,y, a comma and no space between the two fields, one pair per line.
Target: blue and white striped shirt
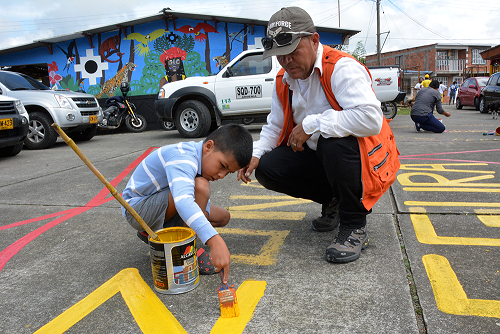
175,167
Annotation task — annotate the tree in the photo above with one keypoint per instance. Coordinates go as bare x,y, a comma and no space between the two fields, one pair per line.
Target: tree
359,52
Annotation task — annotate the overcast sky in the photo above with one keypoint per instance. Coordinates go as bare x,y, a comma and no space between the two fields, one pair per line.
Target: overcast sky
410,23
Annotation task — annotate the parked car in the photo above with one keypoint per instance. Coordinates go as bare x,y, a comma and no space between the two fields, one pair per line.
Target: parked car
242,90
468,93
490,93
76,113
13,126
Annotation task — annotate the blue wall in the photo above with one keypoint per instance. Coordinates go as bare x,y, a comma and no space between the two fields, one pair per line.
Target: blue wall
137,57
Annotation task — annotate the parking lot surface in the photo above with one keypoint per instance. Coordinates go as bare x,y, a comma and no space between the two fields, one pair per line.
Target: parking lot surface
70,263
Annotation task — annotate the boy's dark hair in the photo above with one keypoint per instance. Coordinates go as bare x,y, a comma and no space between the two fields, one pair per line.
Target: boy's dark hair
434,84
233,139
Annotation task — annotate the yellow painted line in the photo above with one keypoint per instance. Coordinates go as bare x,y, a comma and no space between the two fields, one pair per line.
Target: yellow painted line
453,190
469,204
487,211
426,234
267,205
266,197
404,180
268,252
449,293
249,294
488,220
268,215
147,309
441,167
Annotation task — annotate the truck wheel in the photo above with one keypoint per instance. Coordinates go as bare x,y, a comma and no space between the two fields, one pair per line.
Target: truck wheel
389,109
482,106
166,125
84,135
11,151
193,119
40,134
136,126
458,104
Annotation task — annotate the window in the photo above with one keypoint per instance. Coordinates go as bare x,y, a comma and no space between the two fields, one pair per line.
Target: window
251,65
476,57
443,79
399,61
466,83
441,55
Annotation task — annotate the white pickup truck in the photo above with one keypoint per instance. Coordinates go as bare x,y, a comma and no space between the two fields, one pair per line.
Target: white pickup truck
242,91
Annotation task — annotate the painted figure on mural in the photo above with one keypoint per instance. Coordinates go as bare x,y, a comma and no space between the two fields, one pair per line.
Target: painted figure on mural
172,61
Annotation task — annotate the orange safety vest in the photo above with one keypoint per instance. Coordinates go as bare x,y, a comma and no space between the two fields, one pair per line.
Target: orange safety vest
379,154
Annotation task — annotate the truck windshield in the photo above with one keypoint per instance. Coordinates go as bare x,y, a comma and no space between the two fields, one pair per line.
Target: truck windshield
14,81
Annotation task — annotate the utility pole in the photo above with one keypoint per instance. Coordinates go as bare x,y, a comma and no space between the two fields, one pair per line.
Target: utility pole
378,33
339,10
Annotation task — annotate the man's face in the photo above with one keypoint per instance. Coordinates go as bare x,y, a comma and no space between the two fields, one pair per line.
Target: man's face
173,64
215,165
299,64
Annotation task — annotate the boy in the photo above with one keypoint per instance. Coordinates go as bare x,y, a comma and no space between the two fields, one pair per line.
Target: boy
171,186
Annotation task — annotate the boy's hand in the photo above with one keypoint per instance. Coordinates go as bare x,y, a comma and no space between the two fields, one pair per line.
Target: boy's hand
219,255
245,172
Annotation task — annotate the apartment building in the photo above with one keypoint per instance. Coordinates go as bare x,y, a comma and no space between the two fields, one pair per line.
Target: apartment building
442,61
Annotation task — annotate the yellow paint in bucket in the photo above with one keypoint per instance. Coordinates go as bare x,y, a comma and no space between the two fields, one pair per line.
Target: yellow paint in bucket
174,261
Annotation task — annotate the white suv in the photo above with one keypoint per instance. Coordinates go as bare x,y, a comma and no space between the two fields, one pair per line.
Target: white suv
76,113
13,126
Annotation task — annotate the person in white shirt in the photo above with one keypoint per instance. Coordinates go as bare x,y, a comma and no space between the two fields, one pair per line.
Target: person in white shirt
417,87
441,89
313,152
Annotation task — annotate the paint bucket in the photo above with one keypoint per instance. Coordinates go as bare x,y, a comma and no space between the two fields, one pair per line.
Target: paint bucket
174,261
497,131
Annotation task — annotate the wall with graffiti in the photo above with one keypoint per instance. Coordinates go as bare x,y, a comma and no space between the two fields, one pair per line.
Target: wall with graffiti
147,55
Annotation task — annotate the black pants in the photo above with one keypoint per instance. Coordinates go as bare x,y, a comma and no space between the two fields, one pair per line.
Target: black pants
333,170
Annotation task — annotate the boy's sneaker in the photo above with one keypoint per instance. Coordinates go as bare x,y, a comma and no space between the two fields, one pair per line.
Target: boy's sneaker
143,236
417,127
329,219
347,245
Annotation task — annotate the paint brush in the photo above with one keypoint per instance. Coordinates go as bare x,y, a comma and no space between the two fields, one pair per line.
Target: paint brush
227,299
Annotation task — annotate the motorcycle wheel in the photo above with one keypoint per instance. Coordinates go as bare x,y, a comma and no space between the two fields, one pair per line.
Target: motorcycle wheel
389,109
136,126
168,125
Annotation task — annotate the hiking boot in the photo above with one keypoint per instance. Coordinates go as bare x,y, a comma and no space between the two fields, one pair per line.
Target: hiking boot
143,236
347,245
329,219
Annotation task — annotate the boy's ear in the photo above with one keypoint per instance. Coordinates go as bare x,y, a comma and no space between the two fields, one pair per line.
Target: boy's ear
208,146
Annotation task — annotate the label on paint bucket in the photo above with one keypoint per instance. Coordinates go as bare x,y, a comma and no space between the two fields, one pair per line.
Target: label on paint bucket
174,261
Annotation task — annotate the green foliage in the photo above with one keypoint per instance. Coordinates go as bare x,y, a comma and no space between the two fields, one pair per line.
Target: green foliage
68,82
94,89
152,72
165,42
194,66
360,52
185,42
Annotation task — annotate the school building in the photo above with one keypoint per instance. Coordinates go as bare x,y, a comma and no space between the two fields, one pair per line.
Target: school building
442,61
97,60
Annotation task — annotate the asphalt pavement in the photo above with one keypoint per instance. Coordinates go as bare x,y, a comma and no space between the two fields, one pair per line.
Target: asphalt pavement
70,263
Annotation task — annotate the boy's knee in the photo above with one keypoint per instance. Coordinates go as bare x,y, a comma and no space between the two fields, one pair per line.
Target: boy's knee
226,216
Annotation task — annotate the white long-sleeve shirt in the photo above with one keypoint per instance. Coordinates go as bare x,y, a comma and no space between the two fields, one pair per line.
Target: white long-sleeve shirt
352,86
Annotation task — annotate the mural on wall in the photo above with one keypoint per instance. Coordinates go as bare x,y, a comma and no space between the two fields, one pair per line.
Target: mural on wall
147,56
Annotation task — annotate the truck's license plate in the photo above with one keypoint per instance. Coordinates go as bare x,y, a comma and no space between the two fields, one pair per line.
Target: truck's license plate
6,124
92,119
245,92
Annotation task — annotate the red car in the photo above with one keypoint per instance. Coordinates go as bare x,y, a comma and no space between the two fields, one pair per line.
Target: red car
468,93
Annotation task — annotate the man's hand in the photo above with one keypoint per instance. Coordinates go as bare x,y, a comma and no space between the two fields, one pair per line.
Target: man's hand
245,172
219,255
447,114
297,138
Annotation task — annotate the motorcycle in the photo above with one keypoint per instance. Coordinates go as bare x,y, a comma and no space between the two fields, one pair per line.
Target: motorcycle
119,109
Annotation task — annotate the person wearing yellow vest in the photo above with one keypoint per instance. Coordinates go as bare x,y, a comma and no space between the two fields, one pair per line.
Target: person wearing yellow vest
326,138
426,82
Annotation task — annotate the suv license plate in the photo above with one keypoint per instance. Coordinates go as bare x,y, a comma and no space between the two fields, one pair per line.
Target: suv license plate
245,92
93,119
6,124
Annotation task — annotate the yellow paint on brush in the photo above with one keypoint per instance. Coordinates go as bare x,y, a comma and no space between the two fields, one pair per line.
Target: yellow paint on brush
449,293
146,308
249,294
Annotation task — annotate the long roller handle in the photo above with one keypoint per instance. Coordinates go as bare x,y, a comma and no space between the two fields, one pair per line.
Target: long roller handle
111,189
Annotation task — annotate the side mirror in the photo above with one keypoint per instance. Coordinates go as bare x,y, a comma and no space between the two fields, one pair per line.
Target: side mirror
472,86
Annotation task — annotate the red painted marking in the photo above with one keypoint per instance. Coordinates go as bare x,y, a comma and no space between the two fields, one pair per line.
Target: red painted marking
100,198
